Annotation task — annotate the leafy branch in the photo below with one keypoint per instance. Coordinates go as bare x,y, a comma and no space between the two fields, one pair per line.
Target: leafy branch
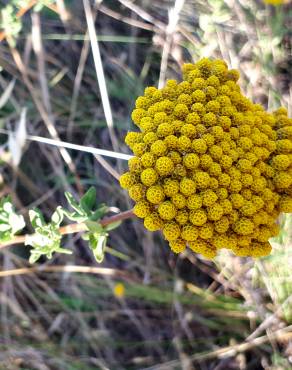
46,239
11,14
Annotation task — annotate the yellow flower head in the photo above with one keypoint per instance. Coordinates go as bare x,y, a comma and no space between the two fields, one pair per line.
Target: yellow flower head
119,290
211,169
274,2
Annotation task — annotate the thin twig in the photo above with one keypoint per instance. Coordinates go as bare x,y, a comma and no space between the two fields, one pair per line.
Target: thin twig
64,268
72,228
82,148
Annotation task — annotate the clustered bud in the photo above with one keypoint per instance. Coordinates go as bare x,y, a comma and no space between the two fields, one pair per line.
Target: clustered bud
211,169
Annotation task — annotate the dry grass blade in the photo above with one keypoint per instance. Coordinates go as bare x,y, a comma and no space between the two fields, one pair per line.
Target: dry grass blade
77,83
39,51
7,93
100,73
62,269
142,13
107,166
17,139
230,351
49,124
130,21
173,18
82,148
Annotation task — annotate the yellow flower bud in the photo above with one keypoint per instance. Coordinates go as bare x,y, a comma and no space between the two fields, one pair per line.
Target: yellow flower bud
167,210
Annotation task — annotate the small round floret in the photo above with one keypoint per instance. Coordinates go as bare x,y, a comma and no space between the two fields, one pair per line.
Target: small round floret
167,210
164,166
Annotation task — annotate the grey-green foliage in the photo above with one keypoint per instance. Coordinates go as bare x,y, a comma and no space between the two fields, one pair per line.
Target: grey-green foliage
11,23
46,239
10,221
86,212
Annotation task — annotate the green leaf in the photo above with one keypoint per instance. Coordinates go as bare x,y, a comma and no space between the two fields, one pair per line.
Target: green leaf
99,213
88,200
10,221
46,239
7,206
74,216
72,202
85,210
17,222
57,216
112,225
36,218
94,227
97,244
34,256
85,236
4,227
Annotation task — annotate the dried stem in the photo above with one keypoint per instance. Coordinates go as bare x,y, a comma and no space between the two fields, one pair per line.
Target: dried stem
72,228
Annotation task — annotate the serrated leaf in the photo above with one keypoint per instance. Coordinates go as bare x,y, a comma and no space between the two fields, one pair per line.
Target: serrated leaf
88,200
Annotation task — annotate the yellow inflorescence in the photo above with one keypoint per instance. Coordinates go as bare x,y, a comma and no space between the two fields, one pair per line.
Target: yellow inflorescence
274,2
211,169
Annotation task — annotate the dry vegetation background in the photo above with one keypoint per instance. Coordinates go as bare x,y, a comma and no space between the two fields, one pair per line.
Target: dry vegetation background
178,312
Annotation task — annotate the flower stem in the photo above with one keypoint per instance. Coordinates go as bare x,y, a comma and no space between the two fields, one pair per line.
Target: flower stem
73,228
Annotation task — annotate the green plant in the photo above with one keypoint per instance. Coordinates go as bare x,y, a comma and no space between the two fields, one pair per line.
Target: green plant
10,222
46,239
10,17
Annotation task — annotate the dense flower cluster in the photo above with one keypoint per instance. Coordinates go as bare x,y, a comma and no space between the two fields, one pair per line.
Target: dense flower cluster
210,169
274,2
